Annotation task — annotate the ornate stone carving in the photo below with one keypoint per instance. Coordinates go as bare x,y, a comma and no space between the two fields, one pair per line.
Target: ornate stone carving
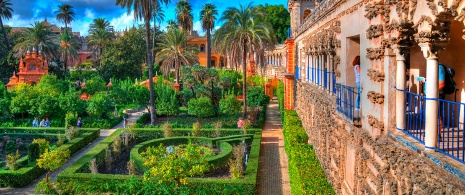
375,75
374,31
375,97
376,123
374,9
375,53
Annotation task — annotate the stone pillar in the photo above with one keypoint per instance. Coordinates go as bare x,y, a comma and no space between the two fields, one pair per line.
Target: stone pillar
400,84
330,69
321,67
431,126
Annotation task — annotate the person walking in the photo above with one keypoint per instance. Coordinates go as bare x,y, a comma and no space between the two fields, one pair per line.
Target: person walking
47,122
79,122
42,123
35,122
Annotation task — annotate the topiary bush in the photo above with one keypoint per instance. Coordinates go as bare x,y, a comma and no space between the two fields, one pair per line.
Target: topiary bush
33,152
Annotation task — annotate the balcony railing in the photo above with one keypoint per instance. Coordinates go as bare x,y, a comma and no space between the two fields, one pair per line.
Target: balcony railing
451,117
323,78
345,96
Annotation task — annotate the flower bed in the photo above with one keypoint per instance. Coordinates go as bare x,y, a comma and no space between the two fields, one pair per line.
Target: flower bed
77,178
30,171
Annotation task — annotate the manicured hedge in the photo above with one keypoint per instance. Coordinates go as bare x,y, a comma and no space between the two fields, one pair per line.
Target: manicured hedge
280,95
31,171
73,181
305,171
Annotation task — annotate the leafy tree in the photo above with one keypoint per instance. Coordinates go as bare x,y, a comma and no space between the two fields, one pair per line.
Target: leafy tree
143,10
257,97
241,35
95,85
208,17
68,47
167,102
158,16
69,102
5,13
229,80
230,105
53,160
99,24
279,18
4,101
175,51
99,104
21,97
200,107
8,65
97,40
123,58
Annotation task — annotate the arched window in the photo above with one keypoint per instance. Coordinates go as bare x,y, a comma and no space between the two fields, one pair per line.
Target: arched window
202,48
306,13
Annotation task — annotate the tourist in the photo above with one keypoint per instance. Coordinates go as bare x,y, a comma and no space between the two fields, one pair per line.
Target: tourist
35,122
79,122
356,64
47,123
42,123
125,122
240,123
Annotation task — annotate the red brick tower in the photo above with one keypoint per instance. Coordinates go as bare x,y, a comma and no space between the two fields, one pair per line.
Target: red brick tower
31,69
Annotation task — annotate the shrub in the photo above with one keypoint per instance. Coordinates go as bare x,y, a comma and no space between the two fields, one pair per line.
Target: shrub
196,129
236,164
11,161
61,139
71,119
44,187
93,167
71,132
200,107
230,106
33,152
43,144
167,130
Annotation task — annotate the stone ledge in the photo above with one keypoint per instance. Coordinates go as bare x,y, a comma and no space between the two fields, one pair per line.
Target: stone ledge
442,160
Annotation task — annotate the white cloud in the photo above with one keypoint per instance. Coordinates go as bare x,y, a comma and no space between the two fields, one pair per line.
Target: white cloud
198,27
89,13
124,21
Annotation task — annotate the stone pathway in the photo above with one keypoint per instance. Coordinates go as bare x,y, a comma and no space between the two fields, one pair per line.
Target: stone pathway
29,189
273,176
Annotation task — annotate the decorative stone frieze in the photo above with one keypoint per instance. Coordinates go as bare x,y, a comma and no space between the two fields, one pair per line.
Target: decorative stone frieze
376,123
374,31
375,75
375,53
374,9
375,97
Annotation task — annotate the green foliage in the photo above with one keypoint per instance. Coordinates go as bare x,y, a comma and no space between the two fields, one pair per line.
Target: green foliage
99,104
279,18
200,107
44,145
123,58
95,85
53,160
302,159
167,102
230,106
11,161
196,129
280,94
61,139
71,132
168,166
9,65
167,130
229,80
256,97
82,75
33,152
71,119
70,103
44,187
236,167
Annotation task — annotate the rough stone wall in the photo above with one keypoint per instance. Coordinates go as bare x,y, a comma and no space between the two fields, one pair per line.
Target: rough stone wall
357,163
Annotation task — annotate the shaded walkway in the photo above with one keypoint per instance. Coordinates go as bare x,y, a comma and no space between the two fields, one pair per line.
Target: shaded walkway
29,189
273,176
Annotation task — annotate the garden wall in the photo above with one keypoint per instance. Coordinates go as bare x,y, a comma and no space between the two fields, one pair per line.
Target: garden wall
356,162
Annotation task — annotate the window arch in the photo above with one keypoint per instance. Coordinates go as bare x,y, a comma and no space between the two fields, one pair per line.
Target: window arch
306,13
202,48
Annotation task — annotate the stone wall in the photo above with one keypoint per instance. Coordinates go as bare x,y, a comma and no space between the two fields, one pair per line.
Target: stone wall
357,163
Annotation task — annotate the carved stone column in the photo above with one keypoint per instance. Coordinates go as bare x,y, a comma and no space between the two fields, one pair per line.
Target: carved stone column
400,84
330,56
431,118
308,67
321,67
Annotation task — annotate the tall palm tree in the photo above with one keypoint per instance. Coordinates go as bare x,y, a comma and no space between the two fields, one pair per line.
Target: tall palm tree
208,17
68,47
65,14
39,37
97,40
244,31
171,24
174,50
184,15
100,23
143,10
5,13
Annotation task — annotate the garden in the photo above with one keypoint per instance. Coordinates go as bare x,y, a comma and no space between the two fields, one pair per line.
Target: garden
25,151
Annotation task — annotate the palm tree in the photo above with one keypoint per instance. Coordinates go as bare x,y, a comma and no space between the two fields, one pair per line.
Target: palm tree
174,50
97,41
100,23
5,13
65,14
38,37
208,17
68,47
184,15
143,10
171,24
244,31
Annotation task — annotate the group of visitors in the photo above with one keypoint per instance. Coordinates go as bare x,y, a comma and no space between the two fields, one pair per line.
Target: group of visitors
43,123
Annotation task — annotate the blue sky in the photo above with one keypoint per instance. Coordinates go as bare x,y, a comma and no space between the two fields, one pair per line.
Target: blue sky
25,12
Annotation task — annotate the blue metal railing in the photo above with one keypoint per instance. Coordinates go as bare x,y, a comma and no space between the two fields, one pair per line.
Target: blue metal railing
345,96
451,129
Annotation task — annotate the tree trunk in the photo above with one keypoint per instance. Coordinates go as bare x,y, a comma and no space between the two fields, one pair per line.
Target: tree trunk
150,66
208,49
4,35
153,38
64,63
47,176
244,81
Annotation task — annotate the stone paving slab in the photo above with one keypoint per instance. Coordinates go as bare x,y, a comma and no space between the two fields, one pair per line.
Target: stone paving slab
273,173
